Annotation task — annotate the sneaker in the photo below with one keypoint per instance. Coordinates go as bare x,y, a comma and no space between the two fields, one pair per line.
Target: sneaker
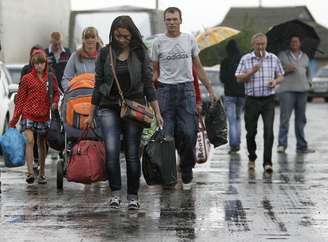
281,149
268,169
186,176
115,202
42,180
30,178
233,150
251,165
305,151
133,205
186,186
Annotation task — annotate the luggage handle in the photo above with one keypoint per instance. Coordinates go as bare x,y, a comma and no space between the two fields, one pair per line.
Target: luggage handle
159,136
83,135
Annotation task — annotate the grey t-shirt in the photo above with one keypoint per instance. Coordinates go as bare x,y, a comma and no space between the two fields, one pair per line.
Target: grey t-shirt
175,57
296,81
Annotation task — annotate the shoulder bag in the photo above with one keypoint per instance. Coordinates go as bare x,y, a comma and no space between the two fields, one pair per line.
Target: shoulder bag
131,109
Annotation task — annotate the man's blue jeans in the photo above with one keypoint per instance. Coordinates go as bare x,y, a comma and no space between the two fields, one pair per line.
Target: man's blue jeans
178,108
234,107
112,126
290,101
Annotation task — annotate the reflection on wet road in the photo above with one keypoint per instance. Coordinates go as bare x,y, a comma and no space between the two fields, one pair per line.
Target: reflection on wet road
226,203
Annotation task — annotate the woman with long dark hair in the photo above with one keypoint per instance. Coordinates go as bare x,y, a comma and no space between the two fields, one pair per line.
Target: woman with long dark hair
133,70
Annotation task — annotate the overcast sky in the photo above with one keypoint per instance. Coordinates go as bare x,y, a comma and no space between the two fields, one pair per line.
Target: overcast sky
199,14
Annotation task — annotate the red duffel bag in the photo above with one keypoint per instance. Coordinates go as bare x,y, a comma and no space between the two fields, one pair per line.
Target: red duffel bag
87,162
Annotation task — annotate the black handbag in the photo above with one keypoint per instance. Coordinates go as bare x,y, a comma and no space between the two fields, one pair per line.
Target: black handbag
159,161
56,135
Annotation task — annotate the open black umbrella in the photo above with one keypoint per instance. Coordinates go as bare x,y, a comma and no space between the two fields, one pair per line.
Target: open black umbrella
279,37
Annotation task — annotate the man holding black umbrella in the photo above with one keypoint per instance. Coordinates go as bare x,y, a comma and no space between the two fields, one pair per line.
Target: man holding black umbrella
261,71
293,95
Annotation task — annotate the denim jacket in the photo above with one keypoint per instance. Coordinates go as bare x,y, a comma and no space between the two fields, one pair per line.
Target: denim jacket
141,85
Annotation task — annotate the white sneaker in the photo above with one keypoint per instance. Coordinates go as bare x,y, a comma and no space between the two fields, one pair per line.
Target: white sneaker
251,165
268,169
281,149
133,205
115,202
186,186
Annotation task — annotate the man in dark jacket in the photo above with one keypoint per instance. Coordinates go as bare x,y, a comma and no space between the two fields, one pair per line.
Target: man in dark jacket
234,94
57,56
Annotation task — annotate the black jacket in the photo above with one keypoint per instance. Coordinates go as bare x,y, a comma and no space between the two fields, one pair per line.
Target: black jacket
227,71
58,67
141,85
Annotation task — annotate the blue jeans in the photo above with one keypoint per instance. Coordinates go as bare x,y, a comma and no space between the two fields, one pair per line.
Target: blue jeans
290,101
178,108
234,107
112,126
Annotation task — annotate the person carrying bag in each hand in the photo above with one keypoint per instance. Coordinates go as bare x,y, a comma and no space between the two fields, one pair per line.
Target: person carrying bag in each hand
133,75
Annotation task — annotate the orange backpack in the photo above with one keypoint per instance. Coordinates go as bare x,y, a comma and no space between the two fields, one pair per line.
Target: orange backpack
77,100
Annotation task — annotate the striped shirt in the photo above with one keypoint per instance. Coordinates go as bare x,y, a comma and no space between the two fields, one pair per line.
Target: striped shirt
258,85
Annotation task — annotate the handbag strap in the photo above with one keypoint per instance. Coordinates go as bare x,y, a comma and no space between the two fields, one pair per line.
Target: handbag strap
114,73
201,122
85,132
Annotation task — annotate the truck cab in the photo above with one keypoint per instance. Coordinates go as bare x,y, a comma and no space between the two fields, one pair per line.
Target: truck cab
148,21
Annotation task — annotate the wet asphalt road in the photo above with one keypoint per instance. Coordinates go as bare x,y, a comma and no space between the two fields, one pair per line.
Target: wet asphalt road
226,203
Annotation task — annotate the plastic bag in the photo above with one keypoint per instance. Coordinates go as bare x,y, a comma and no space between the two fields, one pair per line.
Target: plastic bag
159,161
13,148
202,143
216,124
147,133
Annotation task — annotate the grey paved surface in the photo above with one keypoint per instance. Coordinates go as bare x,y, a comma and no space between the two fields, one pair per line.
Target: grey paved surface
226,203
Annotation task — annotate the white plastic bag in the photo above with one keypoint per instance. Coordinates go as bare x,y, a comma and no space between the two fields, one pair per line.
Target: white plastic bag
202,143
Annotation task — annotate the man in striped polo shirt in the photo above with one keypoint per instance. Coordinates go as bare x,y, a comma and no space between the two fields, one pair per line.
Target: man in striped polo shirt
261,71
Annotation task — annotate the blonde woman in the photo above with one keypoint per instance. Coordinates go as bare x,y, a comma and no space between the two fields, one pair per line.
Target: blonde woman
83,60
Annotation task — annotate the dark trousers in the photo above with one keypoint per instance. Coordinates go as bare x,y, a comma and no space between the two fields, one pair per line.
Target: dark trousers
254,107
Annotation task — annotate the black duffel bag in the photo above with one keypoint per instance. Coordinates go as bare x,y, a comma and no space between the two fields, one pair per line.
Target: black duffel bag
56,135
216,124
159,161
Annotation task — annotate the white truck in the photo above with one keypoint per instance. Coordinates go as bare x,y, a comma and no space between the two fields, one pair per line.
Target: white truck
24,23
149,21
